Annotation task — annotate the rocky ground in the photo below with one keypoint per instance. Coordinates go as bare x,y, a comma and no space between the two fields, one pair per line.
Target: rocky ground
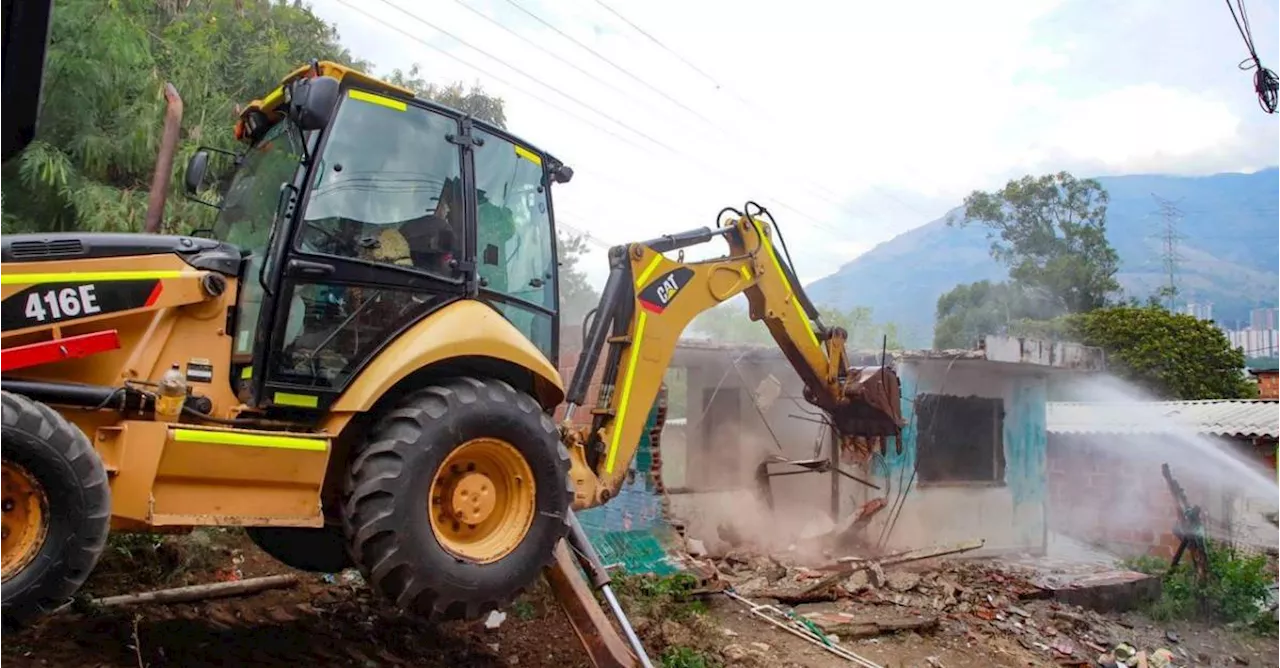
931,613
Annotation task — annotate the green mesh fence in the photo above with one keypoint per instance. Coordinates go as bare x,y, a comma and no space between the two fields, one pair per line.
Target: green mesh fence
630,530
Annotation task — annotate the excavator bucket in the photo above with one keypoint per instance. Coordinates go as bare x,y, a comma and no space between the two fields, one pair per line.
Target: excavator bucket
873,407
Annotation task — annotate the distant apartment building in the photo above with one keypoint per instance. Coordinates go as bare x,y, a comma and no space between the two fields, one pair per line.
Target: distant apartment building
1263,319
1199,311
1256,342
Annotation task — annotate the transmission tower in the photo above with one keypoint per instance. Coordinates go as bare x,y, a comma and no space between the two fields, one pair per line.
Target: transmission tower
1170,216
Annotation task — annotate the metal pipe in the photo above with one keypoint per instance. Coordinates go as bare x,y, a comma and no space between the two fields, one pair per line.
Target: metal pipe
164,160
75,394
615,291
670,242
590,560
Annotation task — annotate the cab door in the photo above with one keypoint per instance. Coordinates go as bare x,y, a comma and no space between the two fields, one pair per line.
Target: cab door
515,238
378,244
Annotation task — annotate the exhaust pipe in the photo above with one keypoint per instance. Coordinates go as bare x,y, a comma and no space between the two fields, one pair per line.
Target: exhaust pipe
164,160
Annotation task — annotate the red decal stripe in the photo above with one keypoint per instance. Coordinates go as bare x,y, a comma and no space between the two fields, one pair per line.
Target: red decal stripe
155,293
69,347
651,307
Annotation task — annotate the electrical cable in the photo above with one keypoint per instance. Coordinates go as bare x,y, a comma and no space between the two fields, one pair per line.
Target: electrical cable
538,80
1265,82
749,103
612,64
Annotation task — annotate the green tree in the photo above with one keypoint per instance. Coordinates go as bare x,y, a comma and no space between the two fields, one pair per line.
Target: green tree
971,310
102,107
472,100
1173,355
577,297
1051,233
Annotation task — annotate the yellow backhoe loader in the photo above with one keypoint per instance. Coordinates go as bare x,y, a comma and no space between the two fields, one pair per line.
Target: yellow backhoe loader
357,362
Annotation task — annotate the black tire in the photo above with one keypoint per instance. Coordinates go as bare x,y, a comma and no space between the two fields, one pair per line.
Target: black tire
62,460
385,512
316,550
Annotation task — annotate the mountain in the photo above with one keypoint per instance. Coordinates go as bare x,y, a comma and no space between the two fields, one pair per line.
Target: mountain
1229,247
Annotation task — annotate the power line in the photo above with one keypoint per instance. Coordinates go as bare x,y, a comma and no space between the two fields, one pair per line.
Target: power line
778,201
707,121
612,64
1265,82
514,86
747,102
594,77
664,47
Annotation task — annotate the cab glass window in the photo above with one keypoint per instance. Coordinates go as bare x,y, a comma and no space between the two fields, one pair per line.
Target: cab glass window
514,250
387,187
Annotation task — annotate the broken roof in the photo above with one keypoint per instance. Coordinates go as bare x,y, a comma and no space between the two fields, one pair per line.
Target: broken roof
1048,355
1226,417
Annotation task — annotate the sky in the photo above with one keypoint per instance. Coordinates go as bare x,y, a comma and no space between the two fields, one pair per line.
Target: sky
851,122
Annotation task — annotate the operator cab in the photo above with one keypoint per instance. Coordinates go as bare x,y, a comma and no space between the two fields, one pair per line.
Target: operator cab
361,209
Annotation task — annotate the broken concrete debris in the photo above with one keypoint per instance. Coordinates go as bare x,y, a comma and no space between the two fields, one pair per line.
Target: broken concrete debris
853,598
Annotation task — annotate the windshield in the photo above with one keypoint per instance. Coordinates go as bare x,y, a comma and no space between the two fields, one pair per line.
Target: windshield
387,188
247,213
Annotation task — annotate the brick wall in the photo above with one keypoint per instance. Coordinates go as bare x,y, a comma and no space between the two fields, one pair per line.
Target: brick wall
1267,385
1101,498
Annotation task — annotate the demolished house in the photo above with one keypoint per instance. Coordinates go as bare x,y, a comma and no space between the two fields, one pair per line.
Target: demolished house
970,462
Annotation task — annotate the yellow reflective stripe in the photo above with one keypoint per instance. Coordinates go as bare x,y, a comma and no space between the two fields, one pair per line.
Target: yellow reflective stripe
528,155
626,391
246,373
387,102
298,400
648,271
791,295
91,276
746,273
273,98
251,440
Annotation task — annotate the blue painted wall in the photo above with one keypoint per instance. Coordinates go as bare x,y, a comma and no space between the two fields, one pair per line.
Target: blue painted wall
1025,445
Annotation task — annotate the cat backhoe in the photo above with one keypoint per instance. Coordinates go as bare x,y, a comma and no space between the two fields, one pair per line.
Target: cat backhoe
357,362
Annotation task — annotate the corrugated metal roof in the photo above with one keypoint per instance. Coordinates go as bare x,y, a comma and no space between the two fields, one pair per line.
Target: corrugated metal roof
1218,417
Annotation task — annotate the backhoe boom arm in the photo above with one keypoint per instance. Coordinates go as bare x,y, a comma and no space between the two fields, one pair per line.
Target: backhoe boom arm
648,301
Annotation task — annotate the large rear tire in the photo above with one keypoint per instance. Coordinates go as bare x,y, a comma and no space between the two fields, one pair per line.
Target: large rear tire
458,499
56,509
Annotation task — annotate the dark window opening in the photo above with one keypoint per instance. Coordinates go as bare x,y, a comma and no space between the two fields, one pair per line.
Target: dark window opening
959,439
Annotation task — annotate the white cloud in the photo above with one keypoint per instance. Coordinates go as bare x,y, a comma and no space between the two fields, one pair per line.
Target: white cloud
852,121
1142,122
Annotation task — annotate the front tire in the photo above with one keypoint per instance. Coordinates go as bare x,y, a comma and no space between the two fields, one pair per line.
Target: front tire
57,509
458,499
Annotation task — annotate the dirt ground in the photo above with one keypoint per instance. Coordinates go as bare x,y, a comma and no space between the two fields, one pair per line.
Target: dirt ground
336,621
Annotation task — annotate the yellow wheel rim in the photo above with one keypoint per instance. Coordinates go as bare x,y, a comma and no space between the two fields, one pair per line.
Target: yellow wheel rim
482,500
25,509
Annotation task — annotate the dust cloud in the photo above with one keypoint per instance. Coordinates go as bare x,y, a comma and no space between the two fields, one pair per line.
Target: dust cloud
1115,484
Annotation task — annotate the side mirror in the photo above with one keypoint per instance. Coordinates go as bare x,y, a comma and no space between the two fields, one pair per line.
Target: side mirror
312,101
196,168
562,174
196,182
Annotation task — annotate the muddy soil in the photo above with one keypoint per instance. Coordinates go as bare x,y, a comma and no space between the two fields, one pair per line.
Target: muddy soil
336,621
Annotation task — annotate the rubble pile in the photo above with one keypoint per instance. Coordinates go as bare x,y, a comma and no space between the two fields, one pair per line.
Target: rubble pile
859,598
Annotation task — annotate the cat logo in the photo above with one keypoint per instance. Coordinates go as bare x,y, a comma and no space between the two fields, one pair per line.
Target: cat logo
657,296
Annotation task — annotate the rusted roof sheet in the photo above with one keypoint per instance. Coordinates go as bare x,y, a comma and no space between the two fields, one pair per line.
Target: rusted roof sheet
1217,417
